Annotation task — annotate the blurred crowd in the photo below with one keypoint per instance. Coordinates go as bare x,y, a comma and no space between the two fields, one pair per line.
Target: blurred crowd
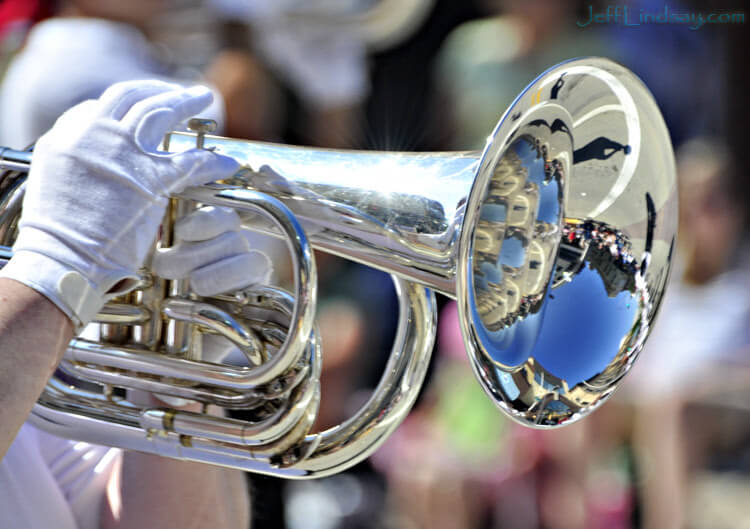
671,449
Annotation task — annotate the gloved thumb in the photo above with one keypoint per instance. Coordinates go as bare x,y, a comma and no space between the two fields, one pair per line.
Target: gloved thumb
200,166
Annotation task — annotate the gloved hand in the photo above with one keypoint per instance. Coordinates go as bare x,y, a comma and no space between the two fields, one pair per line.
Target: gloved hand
214,253
97,191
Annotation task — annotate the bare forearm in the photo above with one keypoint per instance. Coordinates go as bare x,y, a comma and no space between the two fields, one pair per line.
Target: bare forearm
33,337
156,492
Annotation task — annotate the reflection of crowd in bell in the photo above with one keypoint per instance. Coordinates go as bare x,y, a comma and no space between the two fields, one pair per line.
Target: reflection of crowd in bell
606,249
589,232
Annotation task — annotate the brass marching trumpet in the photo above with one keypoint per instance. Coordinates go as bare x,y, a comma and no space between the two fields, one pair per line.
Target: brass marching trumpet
556,241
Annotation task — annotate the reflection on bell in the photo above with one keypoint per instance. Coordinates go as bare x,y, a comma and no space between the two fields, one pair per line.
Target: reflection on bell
560,362
515,244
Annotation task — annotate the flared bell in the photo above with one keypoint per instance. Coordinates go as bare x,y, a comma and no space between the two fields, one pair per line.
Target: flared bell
619,221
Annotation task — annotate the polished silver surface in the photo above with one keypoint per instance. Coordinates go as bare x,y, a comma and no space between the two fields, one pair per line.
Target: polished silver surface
219,321
550,328
14,160
556,241
278,444
610,275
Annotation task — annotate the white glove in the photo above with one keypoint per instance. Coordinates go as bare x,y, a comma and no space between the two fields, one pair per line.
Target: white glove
97,191
213,252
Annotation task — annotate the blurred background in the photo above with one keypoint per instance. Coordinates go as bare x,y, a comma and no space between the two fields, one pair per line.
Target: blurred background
672,448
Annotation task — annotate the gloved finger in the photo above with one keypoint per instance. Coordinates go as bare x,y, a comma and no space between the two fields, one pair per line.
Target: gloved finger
119,98
151,129
199,166
233,273
178,261
166,110
206,223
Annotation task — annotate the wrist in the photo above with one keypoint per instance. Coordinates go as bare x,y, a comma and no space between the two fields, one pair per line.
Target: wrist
75,295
